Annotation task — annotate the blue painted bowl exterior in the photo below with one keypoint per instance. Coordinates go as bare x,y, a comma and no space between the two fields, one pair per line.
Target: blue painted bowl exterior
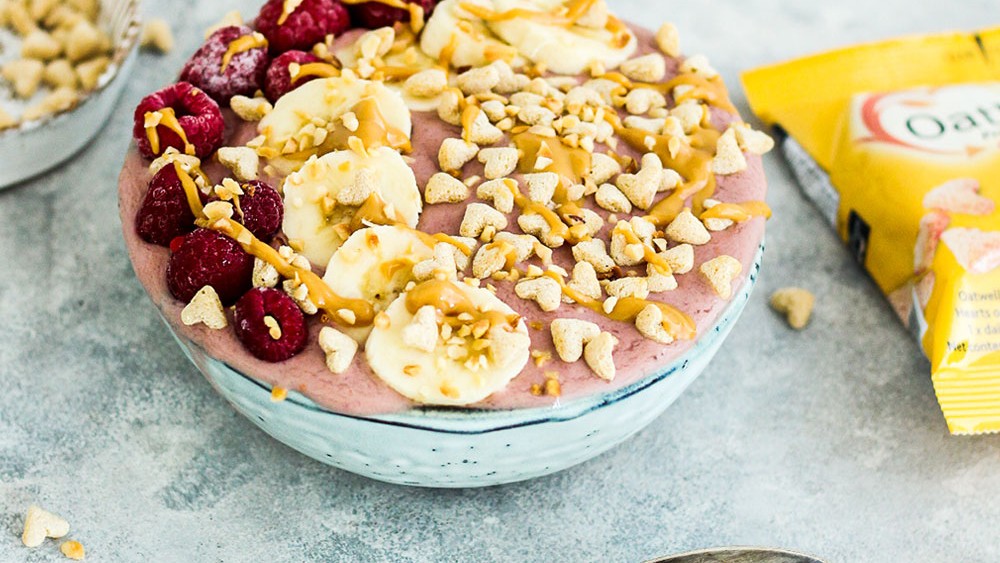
435,447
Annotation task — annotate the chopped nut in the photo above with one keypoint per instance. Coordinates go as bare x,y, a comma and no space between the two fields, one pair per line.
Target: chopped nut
242,161
544,291
570,336
445,188
647,68
686,228
498,162
599,355
680,258
40,45
541,186
73,549
339,349
59,100
499,191
612,199
595,253
205,308
454,153
720,272
89,72
156,34
628,287
668,40
649,323
478,216
426,83
250,109
729,157
795,303
40,524
299,293
25,75
422,332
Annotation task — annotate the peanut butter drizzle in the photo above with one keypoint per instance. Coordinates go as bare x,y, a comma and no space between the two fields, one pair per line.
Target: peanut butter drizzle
432,240
572,163
678,324
168,119
373,130
448,52
320,70
190,192
648,253
319,292
556,224
241,45
693,161
445,296
738,212
564,16
709,90
373,211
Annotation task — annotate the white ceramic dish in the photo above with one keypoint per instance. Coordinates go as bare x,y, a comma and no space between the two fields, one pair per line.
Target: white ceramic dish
436,447
37,146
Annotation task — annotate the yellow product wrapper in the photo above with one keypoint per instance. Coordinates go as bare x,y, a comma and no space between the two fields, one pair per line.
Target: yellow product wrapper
898,144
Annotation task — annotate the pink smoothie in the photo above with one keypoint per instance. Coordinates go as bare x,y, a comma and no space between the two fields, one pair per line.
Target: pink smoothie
358,391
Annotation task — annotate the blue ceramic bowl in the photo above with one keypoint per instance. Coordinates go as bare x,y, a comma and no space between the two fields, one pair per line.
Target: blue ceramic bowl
438,447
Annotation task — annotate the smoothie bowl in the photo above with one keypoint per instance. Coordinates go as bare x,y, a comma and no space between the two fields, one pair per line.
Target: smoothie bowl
477,243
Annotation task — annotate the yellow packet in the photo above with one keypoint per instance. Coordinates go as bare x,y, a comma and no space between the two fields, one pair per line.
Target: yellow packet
898,145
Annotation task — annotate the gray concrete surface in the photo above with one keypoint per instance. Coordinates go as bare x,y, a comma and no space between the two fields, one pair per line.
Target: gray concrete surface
829,441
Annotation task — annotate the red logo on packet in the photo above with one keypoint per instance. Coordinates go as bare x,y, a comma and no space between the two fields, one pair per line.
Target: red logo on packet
959,120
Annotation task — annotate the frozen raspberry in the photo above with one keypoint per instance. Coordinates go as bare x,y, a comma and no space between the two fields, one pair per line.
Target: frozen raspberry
262,209
206,257
374,15
278,81
199,117
258,334
165,213
306,26
244,74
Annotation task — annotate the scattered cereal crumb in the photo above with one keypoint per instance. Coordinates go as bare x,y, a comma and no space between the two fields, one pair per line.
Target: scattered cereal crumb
73,549
156,35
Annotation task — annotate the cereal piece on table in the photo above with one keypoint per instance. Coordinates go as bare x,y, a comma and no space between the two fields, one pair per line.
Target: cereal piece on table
40,524
156,35
795,303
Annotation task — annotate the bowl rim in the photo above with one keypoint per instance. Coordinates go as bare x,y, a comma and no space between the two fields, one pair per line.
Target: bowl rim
128,41
478,421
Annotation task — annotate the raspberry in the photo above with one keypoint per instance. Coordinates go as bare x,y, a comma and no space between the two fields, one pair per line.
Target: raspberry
306,26
206,257
165,213
199,117
374,15
278,80
254,331
262,209
243,76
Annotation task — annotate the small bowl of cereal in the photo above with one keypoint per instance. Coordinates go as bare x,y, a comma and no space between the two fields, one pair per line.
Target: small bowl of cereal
63,65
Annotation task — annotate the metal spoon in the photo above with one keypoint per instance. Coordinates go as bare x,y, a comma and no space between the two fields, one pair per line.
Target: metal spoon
737,555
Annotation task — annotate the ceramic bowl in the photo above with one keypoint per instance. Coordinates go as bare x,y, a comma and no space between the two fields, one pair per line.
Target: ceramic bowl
437,447
37,146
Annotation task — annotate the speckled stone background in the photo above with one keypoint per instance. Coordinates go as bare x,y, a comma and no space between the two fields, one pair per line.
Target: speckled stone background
827,441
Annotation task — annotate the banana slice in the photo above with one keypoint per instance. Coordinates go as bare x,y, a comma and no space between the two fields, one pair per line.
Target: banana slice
448,343
454,29
322,115
332,196
375,264
564,50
